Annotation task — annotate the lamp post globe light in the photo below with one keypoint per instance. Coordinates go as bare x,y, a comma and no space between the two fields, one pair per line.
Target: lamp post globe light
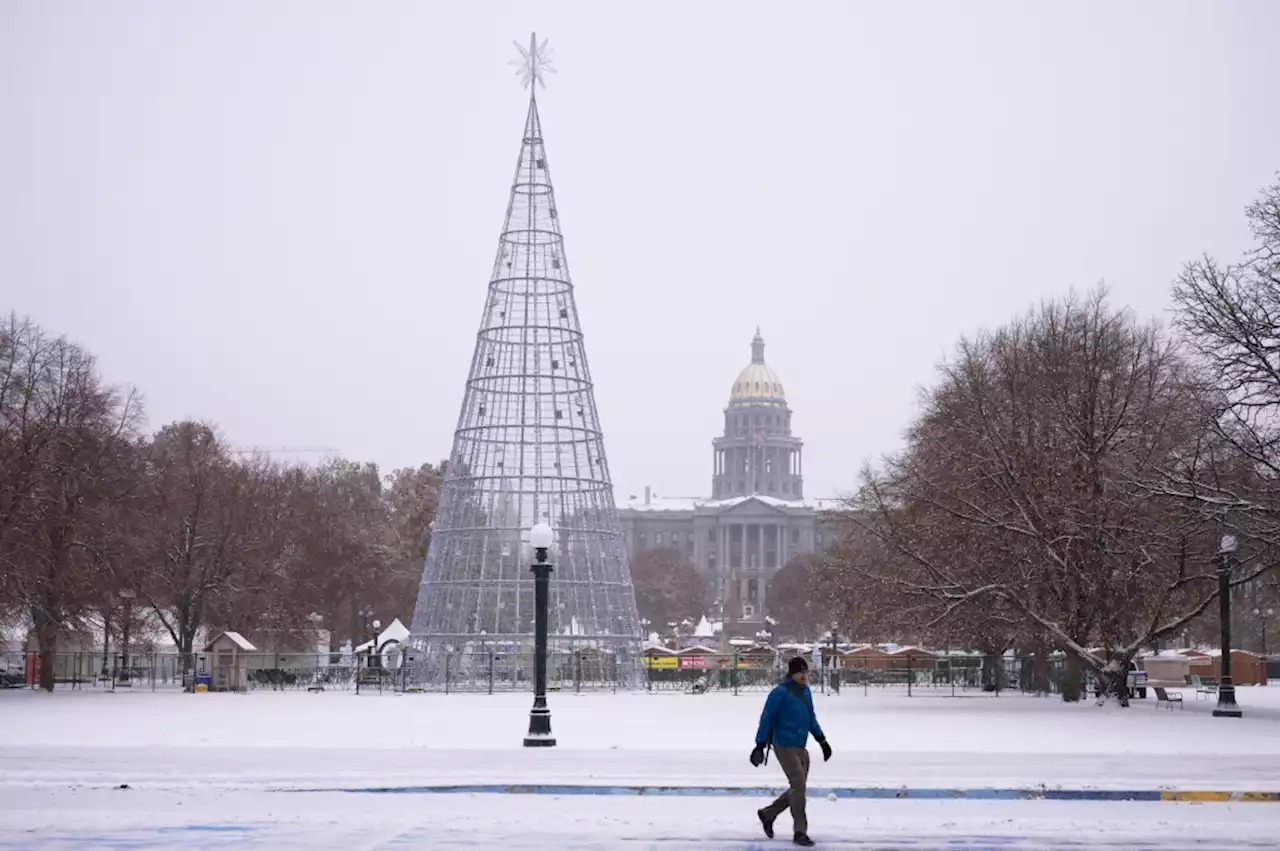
539,736
1264,615
1226,707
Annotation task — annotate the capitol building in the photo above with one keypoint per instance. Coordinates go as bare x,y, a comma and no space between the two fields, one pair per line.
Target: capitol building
757,517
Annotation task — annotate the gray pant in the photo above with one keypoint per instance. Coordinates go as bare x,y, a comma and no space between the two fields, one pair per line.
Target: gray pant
795,762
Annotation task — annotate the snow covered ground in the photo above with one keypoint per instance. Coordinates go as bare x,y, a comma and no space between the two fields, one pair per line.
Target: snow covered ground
221,771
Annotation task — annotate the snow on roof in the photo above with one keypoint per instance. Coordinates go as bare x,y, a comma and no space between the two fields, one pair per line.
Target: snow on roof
697,648
236,638
663,503
686,503
910,648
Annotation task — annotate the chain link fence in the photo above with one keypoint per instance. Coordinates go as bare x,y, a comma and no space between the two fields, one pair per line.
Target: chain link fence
949,675
485,671
493,671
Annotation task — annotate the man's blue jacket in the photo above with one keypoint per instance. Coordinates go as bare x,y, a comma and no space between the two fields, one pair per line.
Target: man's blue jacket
788,717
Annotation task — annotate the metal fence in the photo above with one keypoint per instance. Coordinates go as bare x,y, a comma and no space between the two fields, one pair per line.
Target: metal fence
490,671
96,671
729,672
463,671
496,671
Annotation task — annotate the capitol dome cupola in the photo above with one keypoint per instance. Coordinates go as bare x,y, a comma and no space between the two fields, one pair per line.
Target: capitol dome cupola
757,384
757,454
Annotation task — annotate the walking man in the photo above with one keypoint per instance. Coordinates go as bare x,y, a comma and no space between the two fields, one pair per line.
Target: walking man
785,724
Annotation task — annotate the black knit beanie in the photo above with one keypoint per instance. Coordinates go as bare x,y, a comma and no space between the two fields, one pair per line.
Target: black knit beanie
797,665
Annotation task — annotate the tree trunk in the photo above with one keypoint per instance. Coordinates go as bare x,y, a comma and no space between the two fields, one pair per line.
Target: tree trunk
1071,680
1115,679
993,673
106,644
1042,680
1040,669
185,646
47,636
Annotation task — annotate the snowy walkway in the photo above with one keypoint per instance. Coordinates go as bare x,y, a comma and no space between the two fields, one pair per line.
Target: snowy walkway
204,771
196,820
275,739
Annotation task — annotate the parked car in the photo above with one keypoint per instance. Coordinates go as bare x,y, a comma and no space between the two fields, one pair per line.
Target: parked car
12,679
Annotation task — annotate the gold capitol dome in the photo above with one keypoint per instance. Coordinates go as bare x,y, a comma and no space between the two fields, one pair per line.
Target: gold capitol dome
758,384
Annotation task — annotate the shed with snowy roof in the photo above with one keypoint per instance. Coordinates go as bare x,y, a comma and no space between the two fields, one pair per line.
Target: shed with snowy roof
1247,668
229,655
659,657
913,657
757,656
697,656
868,657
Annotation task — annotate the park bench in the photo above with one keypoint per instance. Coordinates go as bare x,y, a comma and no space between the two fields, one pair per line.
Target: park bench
1203,687
1164,698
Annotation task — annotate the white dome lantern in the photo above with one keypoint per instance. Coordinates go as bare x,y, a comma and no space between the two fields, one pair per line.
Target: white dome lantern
758,384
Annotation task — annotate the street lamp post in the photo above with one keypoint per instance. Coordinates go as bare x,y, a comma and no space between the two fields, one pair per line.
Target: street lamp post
835,651
373,652
539,736
1227,707
127,596
365,614
1263,616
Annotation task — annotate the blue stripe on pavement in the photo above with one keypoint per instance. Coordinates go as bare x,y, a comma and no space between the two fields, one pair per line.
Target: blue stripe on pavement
859,792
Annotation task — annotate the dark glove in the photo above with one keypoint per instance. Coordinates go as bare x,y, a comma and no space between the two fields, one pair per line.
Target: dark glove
826,749
757,756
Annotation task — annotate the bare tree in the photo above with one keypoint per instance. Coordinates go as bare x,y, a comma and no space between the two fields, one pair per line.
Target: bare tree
344,549
66,442
668,587
266,569
796,601
196,504
1019,487
26,430
412,496
1230,316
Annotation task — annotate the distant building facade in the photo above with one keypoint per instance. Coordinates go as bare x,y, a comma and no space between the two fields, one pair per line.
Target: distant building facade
757,518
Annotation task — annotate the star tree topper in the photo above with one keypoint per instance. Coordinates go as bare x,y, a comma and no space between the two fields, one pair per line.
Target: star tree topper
533,62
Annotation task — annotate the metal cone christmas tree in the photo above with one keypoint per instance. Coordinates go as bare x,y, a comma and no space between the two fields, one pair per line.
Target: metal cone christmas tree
528,448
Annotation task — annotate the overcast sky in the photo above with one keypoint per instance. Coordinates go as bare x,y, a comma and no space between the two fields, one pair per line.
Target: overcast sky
281,216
